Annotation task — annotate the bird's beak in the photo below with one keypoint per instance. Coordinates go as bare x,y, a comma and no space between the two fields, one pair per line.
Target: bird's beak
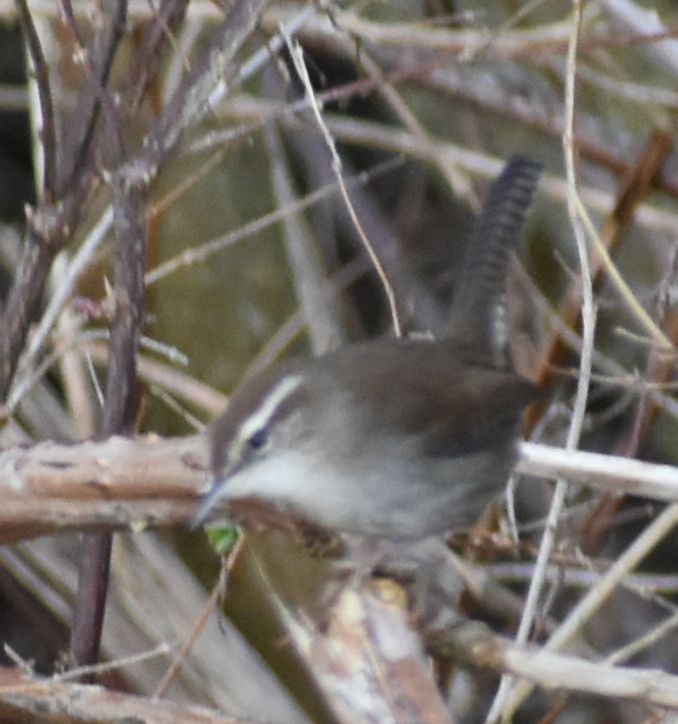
209,501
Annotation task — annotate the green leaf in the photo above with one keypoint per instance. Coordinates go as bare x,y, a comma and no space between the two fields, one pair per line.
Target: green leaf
222,537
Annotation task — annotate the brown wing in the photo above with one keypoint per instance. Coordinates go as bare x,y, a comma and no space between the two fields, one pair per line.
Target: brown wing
422,389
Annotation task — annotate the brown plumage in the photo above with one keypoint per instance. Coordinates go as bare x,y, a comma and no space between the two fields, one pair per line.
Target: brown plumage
392,438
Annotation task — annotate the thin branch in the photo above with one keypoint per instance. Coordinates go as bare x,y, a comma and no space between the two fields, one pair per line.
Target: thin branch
298,58
217,593
97,61
650,638
34,686
190,102
646,21
588,321
515,42
77,702
50,227
183,386
149,56
474,643
47,129
59,298
592,602
199,254
315,297
385,138
458,182
632,189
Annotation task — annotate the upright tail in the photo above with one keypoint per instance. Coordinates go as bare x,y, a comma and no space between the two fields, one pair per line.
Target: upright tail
477,321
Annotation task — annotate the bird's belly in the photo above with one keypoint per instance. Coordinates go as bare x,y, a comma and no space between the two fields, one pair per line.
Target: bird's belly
404,499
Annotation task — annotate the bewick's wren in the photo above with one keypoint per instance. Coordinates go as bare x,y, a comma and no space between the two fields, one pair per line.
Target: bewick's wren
394,438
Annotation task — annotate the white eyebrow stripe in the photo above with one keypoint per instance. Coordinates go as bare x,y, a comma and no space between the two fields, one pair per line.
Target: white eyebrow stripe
260,417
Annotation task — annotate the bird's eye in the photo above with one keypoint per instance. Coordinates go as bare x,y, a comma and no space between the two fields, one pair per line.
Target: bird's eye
258,439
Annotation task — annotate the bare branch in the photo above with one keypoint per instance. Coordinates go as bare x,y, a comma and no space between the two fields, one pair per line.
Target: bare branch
606,472
475,644
21,696
116,483
97,61
48,184
122,482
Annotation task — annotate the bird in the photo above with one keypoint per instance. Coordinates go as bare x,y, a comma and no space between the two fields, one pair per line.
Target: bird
395,438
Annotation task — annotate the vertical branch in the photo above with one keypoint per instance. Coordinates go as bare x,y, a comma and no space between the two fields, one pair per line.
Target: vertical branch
128,283
97,61
322,315
121,399
508,698
51,225
48,184
23,300
148,57
65,189
130,183
128,220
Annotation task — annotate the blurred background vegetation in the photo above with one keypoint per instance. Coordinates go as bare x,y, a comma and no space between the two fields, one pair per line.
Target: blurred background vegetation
430,97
